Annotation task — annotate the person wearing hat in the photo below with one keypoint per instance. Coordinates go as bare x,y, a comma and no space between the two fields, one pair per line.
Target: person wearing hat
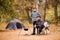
34,15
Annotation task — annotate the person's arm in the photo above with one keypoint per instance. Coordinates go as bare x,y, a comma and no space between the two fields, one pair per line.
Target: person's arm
39,14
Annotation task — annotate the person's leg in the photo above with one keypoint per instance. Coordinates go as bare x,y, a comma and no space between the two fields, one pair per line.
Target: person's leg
47,30
34,23
40,30
33,30
37,30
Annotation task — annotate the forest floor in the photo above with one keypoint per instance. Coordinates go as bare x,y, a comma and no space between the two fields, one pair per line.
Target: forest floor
23,35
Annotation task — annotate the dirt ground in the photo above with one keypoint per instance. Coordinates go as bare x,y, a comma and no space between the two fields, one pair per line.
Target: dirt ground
26,35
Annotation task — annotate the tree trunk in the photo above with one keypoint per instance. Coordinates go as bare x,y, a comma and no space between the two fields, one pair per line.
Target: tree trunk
55,12
45,9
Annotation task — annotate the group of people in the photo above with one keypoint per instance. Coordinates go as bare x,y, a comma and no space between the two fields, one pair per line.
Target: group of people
36,20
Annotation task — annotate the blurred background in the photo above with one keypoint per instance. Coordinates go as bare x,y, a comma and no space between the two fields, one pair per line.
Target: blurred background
21,9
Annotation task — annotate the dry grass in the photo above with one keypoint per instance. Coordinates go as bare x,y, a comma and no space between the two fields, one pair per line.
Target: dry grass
2,26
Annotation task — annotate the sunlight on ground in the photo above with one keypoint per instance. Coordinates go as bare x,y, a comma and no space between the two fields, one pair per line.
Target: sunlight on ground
20,34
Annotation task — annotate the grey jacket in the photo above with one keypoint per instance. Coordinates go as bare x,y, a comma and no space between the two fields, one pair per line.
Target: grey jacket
34,15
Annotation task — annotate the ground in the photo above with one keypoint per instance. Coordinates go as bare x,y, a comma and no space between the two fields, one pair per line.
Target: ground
24,35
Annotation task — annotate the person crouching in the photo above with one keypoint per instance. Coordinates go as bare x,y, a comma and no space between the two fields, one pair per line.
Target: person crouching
39,25
42,27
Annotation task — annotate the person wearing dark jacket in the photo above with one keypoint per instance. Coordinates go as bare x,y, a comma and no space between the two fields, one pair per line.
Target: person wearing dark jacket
39,25
42,26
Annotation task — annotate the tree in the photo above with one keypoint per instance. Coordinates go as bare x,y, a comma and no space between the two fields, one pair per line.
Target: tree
54,4
45,9
6,10
6,6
